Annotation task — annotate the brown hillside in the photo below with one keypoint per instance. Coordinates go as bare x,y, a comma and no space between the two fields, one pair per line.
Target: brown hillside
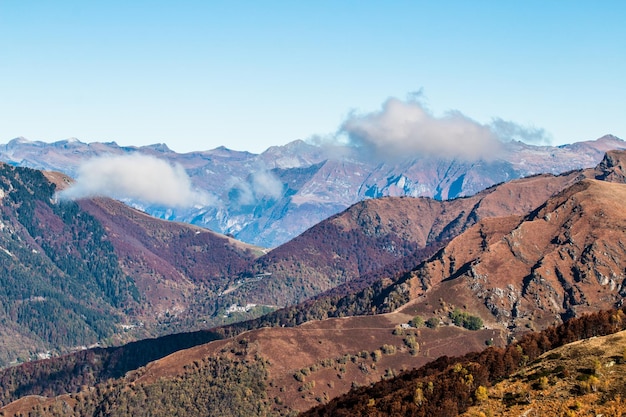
449,386
169,261
176,266
179,269
517,272
566,258
376,233
306,365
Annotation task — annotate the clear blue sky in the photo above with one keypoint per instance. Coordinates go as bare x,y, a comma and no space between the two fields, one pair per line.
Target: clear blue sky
251,74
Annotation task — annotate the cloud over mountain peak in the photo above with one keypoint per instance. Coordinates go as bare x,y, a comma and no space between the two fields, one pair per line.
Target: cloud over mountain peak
136,177
404,127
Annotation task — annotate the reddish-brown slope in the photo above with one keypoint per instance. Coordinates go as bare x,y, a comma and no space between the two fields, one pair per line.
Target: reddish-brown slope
336,354
592,371
377,233
171,263
566,258
200,254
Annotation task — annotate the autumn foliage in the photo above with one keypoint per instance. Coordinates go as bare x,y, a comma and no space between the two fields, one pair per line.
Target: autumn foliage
448,386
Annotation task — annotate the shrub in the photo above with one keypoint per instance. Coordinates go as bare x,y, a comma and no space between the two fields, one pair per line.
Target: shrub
417,322
463,319
410,341
418,397
432,322
481,394
388,349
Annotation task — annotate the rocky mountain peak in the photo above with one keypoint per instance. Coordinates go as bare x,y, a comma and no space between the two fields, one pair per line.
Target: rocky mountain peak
159,147
19,141
610,138
611,168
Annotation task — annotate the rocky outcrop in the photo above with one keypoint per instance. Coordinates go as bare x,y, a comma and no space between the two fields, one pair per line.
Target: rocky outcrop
612,167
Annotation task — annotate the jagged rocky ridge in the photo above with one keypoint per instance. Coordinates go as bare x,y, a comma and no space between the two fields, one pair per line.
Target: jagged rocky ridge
304,184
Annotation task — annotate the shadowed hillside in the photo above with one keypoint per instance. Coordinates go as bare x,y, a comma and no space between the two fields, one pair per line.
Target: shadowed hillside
62,285
78,274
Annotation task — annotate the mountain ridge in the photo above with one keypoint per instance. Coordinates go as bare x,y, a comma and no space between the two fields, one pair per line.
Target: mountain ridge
444,285
76,274
553,252
317,181
375,233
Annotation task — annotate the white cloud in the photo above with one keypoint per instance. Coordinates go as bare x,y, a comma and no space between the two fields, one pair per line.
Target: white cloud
508,131
259,185
405,128
136,177
265,184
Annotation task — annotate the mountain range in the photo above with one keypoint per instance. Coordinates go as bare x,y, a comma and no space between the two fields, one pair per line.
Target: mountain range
269,198
479,270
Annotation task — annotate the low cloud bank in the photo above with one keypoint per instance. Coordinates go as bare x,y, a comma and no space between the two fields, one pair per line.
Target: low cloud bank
404,128
260,185
136,177
509,131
